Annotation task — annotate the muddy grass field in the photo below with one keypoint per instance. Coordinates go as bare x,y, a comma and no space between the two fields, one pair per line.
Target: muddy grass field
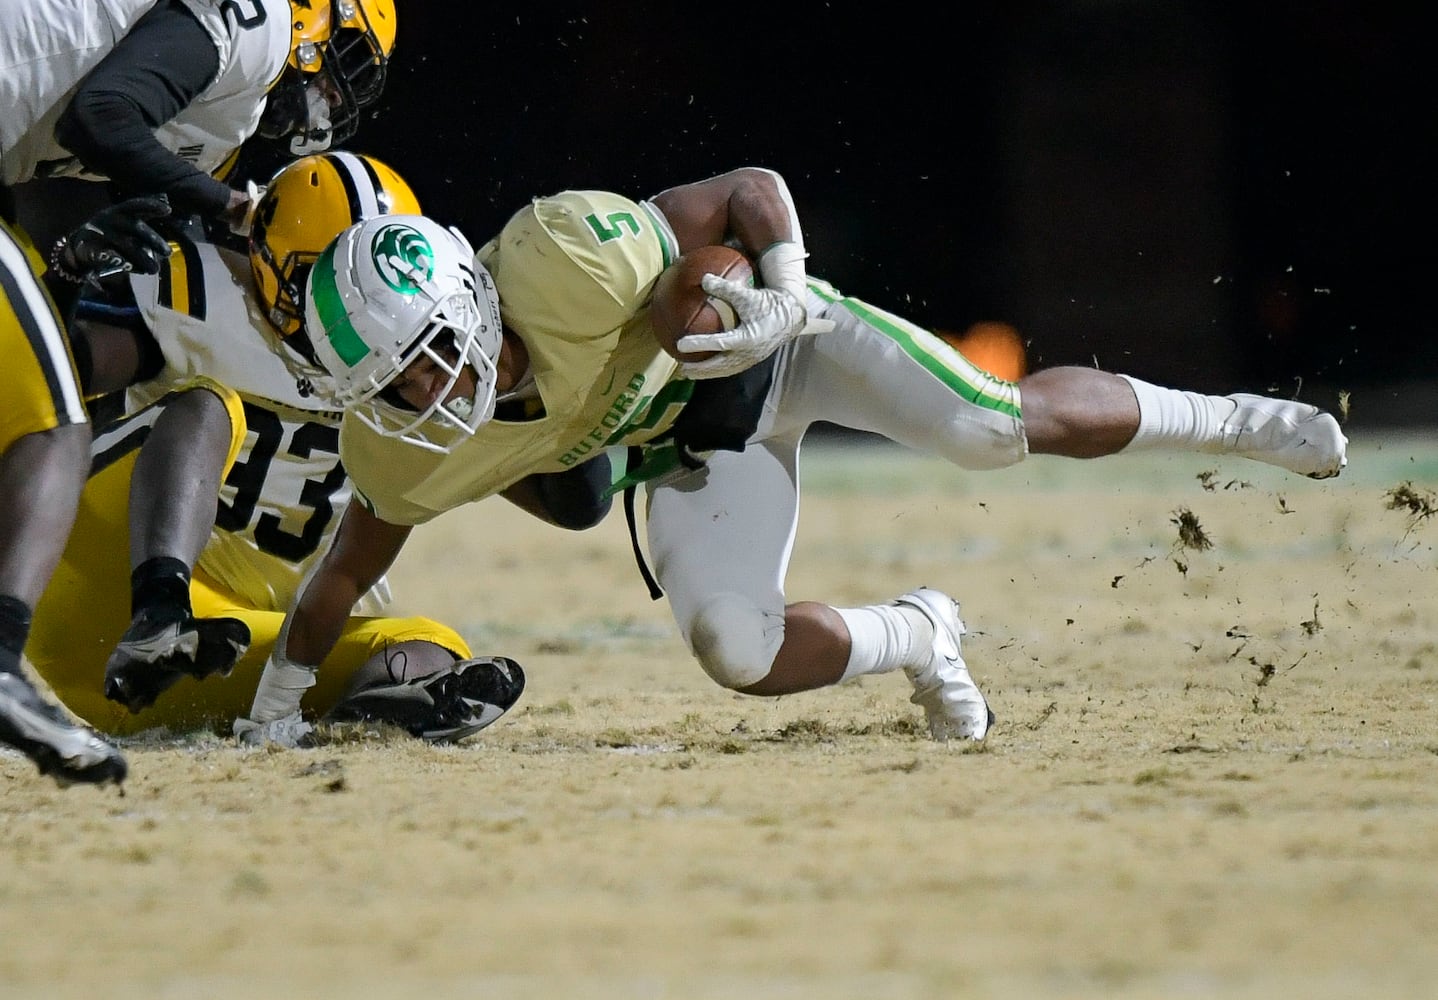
1215,771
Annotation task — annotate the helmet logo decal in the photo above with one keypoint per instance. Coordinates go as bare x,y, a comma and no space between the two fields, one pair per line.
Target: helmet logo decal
403,258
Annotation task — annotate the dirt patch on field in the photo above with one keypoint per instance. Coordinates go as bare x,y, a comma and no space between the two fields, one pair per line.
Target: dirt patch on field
1213,774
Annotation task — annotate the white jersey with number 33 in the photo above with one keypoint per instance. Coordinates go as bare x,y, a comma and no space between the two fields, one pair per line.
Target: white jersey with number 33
284,496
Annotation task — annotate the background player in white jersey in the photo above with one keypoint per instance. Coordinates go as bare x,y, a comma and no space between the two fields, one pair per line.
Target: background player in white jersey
157,97
212,313
412,331
44,450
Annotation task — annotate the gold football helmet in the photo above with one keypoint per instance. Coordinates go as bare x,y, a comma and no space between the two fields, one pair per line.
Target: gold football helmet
339,55
307,204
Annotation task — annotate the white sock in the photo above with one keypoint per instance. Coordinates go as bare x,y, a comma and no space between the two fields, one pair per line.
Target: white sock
1176,419
885,637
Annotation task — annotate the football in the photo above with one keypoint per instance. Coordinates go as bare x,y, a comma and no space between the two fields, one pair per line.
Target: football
679,305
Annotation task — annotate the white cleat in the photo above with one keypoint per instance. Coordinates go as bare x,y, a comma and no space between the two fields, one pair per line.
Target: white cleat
1291,435
942,687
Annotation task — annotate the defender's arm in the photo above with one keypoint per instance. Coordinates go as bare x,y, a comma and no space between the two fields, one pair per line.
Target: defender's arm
363,549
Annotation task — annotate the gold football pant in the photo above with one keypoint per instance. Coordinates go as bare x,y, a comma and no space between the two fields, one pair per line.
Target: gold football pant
42,391
86,609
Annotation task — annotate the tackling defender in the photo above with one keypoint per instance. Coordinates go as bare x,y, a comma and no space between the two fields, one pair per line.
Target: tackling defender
219,320
155,97
431,350
44,439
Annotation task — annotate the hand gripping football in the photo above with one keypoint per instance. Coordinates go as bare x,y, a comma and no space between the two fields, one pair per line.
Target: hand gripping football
680,306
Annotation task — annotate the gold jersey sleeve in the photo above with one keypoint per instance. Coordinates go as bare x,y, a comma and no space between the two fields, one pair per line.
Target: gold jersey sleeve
574,274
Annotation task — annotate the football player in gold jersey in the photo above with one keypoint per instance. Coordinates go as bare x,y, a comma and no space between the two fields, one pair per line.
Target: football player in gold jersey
431,350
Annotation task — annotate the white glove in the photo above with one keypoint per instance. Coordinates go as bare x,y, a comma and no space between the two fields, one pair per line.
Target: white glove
241,222
277,700
286,732
768,319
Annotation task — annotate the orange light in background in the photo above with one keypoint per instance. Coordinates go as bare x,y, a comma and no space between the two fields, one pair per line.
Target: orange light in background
995,347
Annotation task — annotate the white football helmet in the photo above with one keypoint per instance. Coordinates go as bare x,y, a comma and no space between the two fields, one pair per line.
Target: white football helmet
398,289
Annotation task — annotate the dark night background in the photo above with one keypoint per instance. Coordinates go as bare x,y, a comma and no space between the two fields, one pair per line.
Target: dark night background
1200,196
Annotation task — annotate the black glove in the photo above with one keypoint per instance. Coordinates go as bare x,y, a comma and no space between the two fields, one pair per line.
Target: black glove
115,239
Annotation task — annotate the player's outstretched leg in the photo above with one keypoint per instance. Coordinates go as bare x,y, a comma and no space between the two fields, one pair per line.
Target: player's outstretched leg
951,700
165,643
441,707
65,750
1086,413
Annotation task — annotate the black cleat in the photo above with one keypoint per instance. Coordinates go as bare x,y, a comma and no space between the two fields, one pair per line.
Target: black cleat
161,647
65,750
441,707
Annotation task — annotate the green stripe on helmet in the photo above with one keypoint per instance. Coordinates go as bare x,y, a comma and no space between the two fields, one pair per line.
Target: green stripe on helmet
343,337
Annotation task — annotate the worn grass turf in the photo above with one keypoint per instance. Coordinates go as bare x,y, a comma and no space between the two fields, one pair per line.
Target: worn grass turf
1213,773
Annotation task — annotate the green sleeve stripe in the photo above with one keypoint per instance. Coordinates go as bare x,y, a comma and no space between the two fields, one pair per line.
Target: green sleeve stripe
343,337
661,229
945,363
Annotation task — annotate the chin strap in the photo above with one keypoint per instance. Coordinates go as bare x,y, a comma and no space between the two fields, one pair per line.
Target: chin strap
319,133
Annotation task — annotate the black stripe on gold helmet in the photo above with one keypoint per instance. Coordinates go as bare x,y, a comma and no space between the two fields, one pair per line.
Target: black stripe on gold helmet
306,205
